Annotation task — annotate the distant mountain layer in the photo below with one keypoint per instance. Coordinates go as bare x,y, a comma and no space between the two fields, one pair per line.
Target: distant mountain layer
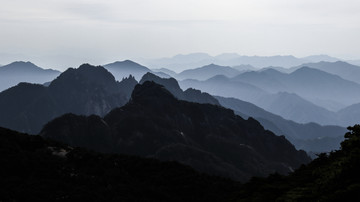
37,169
209,138
180,62
86,90
305,95
207,72
312,84
343,69
16,72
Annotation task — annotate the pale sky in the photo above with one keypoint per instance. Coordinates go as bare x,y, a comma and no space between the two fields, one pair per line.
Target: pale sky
63,33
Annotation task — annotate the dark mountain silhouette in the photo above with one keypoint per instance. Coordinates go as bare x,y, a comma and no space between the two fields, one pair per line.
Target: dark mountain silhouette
86,90
343,69
171,84
35,169
207,72
16,72
38,169
207,137
122,69
310,137
330,177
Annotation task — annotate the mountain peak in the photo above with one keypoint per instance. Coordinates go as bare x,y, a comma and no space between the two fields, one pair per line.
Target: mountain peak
85,75
21,65
150,91
127,64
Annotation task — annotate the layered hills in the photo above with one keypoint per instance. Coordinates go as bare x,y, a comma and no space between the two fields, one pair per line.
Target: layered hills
207,137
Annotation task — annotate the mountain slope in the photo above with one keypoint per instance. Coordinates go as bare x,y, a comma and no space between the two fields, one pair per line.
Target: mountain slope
86,90
171,84
350,115
310,137
331,177
37,169
293,107
16,72
209,138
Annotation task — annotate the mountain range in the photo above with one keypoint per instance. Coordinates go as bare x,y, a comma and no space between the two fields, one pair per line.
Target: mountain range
305,95
16,72
93,90
207,137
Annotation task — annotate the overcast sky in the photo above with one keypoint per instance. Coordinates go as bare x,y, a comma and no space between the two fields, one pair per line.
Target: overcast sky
62,33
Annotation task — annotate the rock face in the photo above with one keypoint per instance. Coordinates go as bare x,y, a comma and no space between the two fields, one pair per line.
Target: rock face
207,137
86,90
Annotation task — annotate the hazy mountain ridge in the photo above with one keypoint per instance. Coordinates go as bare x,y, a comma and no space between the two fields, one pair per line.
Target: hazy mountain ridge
154,123
309,93
181,62
343,69
16,72
207,72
